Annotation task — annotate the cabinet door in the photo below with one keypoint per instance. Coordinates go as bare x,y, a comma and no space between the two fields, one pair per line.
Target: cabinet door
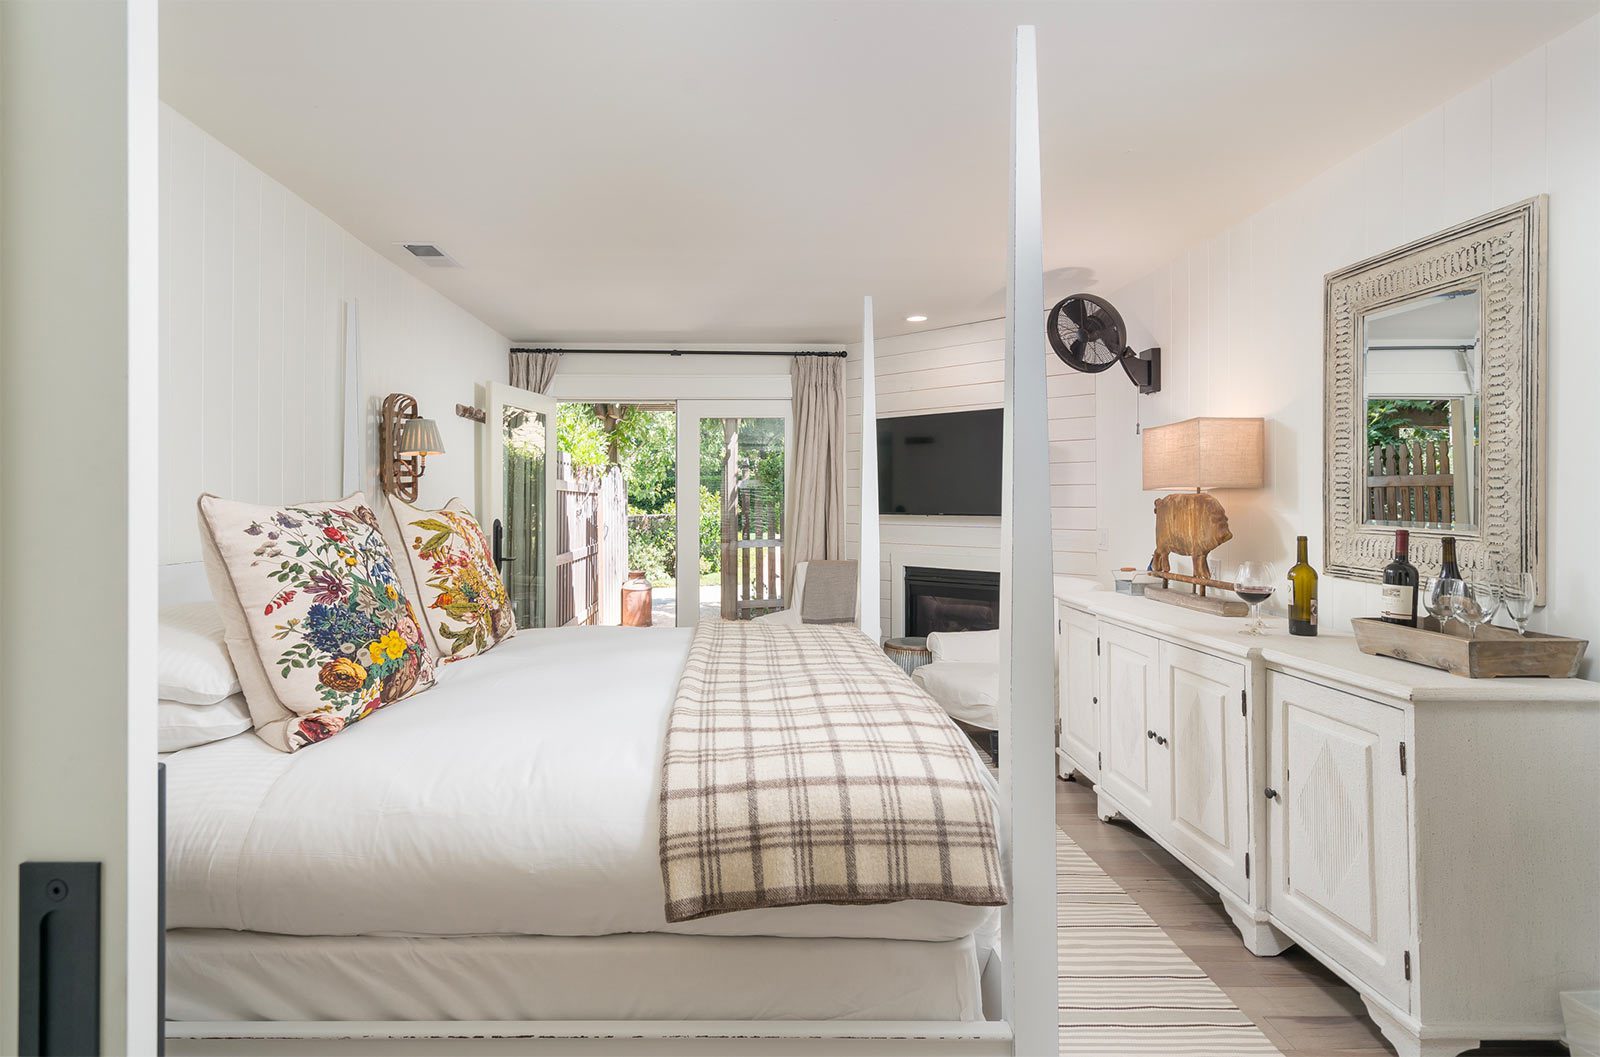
1079,700
1127,678
1203,723
1339,849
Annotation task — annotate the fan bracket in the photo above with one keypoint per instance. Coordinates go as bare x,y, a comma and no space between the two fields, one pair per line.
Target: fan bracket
1143,369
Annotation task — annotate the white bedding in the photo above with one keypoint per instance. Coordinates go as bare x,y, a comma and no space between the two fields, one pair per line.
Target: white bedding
517,797
226,976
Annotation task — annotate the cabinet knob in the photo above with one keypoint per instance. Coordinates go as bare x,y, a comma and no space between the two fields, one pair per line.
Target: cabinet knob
1160,740
1150,735
1272,794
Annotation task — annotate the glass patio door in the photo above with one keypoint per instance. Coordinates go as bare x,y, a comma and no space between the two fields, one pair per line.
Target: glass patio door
518,484
731,483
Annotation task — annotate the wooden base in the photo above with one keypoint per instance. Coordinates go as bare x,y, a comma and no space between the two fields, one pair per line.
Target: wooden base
1222,607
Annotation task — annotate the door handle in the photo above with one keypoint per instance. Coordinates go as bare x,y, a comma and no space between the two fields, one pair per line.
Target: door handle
1272,794
500,557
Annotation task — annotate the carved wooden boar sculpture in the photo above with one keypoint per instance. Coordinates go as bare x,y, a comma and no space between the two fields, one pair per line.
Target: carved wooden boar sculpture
1191,523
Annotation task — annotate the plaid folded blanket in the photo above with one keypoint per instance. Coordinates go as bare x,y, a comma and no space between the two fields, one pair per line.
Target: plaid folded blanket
803,766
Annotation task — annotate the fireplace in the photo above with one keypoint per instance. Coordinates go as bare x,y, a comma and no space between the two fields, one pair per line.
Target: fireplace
951,600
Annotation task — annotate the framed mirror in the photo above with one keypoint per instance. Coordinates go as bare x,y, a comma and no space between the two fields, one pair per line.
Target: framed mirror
1434,400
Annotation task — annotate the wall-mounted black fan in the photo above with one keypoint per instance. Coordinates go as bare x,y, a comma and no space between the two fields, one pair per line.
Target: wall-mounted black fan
1089,336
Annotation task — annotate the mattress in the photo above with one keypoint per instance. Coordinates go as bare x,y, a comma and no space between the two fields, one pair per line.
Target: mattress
519,796
233,976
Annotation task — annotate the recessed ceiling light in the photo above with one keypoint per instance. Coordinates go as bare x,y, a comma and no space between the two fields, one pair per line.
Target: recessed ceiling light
916,319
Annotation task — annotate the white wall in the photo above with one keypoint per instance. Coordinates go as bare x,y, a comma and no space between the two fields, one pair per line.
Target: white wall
961,369
620,378
253,284
77,361
1240,316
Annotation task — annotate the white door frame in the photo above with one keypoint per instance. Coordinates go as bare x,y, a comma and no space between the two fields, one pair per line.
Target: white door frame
690,412
493,478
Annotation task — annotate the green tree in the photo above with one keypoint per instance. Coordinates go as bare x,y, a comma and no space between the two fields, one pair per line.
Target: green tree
1393,421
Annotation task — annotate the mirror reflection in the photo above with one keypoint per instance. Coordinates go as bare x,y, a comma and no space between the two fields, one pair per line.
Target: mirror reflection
1421,371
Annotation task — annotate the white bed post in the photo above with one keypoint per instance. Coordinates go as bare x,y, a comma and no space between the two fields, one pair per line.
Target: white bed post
868,603
1027,727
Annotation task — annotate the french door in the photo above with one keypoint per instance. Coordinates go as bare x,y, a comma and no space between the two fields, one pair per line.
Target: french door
518,498
732,477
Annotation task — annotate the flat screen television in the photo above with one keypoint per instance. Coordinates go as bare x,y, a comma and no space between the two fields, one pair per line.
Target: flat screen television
941,464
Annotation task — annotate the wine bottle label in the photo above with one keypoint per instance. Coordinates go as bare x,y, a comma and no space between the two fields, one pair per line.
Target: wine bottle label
1399,602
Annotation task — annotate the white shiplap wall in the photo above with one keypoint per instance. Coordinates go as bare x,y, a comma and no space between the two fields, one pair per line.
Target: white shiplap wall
253,285
962,369
1240,316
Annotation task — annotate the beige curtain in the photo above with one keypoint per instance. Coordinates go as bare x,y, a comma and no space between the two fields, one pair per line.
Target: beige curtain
533,369
813,509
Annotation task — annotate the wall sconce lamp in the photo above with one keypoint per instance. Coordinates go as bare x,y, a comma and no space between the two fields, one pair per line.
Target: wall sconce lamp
406,440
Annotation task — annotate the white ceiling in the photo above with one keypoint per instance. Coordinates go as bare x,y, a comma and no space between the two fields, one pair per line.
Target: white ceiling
744,171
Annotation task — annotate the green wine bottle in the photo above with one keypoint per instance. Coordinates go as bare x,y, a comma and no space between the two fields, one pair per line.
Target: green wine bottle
1302,593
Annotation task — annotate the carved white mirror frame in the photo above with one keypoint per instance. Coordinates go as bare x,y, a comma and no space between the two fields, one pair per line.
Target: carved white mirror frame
1503,254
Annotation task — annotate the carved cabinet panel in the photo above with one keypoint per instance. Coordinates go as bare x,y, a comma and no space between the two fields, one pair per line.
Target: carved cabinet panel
1338,835
1202,719
1128,690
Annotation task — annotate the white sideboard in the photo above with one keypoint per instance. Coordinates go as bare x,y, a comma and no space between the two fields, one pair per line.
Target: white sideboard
1433,840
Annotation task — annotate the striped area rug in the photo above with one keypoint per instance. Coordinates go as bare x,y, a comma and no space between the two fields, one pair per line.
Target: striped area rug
1126,988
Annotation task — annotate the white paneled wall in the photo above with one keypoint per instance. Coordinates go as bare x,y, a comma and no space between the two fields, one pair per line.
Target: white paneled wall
1240,316
253,287
962,369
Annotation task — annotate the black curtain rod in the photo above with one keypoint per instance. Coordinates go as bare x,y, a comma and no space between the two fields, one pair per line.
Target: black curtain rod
679,352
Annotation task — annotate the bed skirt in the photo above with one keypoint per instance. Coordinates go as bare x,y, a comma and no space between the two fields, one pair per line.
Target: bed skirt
216,975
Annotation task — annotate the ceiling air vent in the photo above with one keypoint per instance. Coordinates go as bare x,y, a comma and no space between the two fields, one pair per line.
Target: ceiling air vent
429,254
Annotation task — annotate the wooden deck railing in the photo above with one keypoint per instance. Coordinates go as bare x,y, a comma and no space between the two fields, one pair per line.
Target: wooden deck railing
758,554
1411,481
577,515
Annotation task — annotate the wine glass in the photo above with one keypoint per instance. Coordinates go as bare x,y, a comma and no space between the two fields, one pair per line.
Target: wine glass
1487,592
1519,602
1438,599
1254,582
1468,608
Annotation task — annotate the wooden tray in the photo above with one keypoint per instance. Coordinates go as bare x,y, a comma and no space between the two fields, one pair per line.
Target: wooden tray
1495,652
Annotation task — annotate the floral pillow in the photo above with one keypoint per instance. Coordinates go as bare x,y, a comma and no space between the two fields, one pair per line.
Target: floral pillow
315,616
452,575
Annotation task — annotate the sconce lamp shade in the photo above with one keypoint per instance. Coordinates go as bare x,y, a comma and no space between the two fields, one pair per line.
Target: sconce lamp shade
1205,453
420,436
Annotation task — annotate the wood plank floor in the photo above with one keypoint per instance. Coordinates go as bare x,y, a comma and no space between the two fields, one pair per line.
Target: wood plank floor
1299,1005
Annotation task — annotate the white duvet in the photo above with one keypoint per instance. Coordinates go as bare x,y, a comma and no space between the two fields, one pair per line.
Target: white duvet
518,796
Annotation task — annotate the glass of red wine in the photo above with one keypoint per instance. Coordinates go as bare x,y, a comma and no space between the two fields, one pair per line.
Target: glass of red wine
1254,582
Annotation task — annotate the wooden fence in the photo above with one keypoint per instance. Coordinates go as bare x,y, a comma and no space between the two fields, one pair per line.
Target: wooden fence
1411,481
752,557
591,523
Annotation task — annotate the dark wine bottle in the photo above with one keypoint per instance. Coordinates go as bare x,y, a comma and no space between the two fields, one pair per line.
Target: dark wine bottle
1448,569
1302,593
1400,581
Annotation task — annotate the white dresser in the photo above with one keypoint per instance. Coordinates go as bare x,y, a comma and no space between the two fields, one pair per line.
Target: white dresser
1433,840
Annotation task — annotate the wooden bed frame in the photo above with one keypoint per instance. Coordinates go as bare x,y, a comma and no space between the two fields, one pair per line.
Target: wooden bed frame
1027,978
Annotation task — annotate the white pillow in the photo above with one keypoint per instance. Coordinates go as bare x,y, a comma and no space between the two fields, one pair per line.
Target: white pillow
192,661
978,647
183,726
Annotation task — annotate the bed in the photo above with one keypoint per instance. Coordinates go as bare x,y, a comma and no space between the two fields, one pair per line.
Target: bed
489,851
353,899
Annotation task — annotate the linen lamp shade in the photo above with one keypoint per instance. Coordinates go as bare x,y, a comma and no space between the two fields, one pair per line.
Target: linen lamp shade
1205,453
420,436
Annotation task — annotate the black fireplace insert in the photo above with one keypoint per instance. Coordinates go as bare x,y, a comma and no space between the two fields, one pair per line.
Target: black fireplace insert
951,600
